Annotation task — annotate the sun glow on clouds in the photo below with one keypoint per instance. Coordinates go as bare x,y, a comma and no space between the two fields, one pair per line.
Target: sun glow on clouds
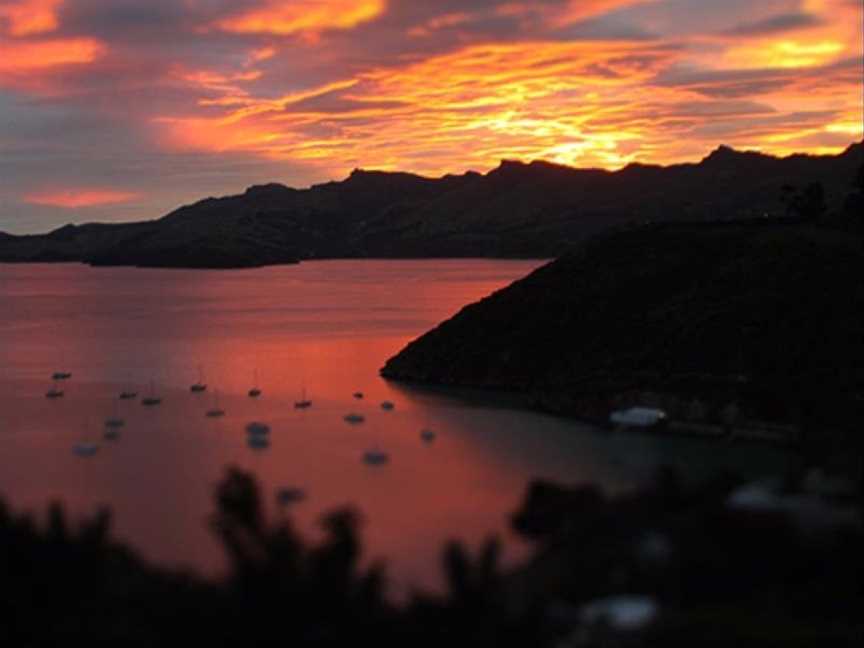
287,17
487,102
23,51
28,17
28,57
573,103
305,90
784,54
78,198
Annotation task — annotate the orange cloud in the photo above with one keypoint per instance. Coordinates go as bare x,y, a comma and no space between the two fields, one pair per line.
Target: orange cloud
482,103
431,89
289,17
78,198
29,17
580,103
29,56
261,54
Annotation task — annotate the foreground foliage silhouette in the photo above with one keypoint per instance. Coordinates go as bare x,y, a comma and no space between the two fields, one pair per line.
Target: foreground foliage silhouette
720,576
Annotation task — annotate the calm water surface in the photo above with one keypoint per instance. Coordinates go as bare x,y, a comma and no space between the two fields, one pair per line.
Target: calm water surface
322,327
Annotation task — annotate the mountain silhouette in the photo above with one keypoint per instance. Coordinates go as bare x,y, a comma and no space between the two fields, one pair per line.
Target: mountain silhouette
518,209
766,314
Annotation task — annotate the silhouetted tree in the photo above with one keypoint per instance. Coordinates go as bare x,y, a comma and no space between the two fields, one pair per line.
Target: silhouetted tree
729,576
320,592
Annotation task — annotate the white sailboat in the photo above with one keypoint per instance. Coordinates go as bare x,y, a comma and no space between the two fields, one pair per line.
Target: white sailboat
85,449
115,421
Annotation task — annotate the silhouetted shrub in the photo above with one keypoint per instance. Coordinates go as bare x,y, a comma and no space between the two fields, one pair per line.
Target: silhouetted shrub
719,576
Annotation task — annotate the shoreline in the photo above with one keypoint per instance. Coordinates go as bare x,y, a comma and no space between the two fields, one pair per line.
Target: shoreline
762,432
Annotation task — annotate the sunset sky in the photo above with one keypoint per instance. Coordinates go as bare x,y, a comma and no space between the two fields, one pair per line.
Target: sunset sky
124,109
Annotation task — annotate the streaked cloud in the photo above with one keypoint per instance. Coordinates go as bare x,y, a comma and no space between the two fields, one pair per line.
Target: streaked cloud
34,56
78,198
780,23
28,17
288,17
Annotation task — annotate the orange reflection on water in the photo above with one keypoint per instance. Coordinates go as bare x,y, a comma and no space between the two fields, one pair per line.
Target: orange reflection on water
325,327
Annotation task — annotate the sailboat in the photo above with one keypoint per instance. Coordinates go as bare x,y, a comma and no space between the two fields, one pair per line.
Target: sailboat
115,421
256,428
258,435
215,411
303,403
258,442
290,495
151,399
376,457
128,393
85,449
255,392
62,375
199,386
111,433
54,392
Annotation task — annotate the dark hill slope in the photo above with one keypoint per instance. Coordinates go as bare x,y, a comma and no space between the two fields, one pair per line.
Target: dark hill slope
527,210
662,307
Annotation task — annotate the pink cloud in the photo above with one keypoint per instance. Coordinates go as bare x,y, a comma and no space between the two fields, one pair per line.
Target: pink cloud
78,198
29,17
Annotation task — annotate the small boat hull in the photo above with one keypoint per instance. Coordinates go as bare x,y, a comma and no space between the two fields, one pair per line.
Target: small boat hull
376,458
85,449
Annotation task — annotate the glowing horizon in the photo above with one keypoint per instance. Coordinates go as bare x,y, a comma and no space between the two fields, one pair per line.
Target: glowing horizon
134,107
